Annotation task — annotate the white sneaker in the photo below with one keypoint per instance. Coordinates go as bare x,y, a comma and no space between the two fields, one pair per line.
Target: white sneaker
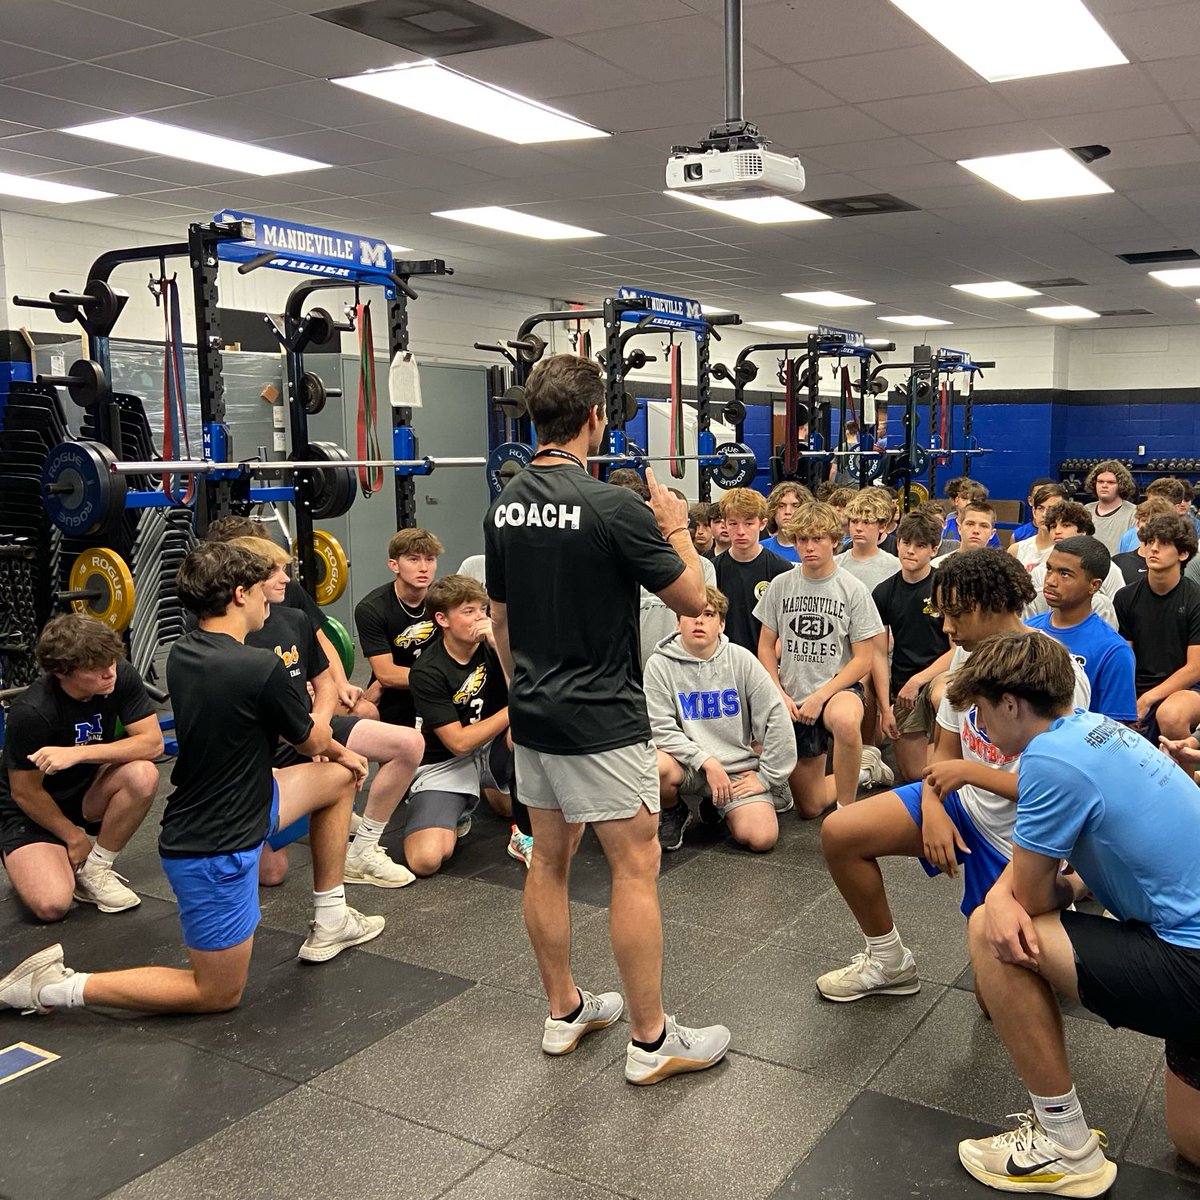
374,866
867,976
874,772
324,944
520,846
21,986
682,1050
99,884
599,1012
1028,1159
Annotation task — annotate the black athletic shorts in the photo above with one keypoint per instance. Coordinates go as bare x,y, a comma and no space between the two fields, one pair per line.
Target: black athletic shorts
1134,980
17,830
289,756
814,740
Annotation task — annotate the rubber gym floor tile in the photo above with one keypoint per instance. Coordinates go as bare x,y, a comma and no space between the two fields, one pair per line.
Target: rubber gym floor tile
132,1101
886,1147
926,913
736,1129
505,1177
308,1144
1148,1143
299,1019
955,1061
473,1067
772,1005
745,897
692,958
799,844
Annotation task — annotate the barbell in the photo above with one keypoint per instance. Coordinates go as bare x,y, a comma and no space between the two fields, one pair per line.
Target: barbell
84,487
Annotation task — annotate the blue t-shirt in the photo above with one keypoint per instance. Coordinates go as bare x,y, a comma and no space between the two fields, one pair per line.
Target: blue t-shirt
1126,816
773,544
951,534
1023,532
1129,541
1106,658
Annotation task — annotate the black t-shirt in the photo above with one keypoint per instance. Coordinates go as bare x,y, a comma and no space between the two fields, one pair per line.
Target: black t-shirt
44,715
566,553
1131,564
294,596
917,635
744,584
446,691
1160,628
385,626
232,705
889,543
289,635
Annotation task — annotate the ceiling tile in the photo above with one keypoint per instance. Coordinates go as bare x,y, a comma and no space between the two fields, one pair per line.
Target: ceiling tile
204,69
911,71
825,127
60,29
241,118
1170,31
1119,125
1129,86
42,112
85,82
1178,78
184,20
947,110
543,70
584,16
16,61
795,32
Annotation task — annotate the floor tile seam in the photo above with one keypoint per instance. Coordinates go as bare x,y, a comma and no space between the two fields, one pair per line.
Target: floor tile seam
904,1040
554,1169
467,1174
1137,1116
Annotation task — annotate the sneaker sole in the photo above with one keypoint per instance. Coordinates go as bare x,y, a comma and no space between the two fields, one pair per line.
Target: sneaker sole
325,953
1094,1183
687,821
897,989
375,882
675,1066
33,964
107,908
791,804
556,1051
519,857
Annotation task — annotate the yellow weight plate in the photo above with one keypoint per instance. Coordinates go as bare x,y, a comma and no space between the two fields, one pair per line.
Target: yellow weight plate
918,492
333,568
107,577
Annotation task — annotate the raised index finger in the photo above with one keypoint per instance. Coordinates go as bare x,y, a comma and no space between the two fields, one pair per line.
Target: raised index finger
651,482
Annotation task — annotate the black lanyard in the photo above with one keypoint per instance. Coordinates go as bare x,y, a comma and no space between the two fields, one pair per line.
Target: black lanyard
555,453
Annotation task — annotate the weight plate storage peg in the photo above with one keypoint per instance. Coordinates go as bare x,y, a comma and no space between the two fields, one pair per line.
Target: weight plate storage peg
102,587
312,392
80,493
733,472
333,568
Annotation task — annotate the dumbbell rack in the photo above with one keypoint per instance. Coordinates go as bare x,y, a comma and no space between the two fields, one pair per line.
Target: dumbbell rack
1072,472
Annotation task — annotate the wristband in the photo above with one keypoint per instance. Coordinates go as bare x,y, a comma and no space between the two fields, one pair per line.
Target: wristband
678,529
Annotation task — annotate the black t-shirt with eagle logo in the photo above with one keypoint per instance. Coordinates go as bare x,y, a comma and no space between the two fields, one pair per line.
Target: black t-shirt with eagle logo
385,626
446,691
917,635
744,585
290,635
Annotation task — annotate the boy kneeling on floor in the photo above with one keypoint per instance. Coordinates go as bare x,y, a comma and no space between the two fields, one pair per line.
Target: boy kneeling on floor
721,730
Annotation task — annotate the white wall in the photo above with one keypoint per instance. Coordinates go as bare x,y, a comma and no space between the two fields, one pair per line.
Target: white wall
1157,357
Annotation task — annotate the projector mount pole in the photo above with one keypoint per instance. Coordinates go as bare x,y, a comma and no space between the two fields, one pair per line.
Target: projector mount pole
733,62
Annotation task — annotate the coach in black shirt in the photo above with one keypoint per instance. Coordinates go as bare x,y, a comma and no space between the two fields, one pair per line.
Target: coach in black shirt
565,556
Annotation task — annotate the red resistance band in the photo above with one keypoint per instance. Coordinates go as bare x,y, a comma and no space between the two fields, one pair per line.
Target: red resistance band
370,479
675,364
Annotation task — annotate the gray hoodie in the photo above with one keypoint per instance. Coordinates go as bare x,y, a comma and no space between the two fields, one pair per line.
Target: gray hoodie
715,708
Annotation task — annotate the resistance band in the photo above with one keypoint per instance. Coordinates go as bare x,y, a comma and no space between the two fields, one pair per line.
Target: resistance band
370,478
674,364
176,443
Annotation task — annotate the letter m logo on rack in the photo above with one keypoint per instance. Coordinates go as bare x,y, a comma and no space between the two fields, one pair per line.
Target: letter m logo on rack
664,312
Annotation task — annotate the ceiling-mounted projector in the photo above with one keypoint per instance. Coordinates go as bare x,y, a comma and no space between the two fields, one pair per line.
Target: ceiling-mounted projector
733,173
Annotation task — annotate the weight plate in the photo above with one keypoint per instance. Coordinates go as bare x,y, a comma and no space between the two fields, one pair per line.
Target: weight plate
332,489
507,460
312,392
333,568
734,472
107,575
81,494
918,493
336,632
734,412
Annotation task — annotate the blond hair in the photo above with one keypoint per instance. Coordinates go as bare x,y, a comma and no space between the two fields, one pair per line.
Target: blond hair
275,554
743,502
716,600
871,504
813,521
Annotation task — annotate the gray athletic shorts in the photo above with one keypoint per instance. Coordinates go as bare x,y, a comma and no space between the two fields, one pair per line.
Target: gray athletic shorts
442,792
695,783
610,785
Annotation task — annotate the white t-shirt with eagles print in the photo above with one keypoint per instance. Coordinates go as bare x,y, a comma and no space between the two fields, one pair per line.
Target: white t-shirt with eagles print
818,621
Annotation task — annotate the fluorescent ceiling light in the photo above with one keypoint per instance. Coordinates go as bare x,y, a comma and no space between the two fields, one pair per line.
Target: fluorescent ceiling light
1000,289
915,322
44,189
431,88
1181,278
1064,312
1016,39
711,310
399,249
761,210
829,299
173,141
879,341
784,326
509,220
1037,174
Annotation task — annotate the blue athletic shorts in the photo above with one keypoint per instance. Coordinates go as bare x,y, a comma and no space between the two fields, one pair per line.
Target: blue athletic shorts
218,894
981,868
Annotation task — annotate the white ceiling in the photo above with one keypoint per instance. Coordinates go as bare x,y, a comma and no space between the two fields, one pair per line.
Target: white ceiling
865,97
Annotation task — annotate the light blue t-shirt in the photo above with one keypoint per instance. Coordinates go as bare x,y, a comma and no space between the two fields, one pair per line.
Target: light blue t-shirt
776,547
1106,658
1127,818
1129,541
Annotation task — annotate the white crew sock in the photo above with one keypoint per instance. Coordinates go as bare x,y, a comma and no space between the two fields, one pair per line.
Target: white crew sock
100,857
66,993
1062,1118
368,835
887,950
330,907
